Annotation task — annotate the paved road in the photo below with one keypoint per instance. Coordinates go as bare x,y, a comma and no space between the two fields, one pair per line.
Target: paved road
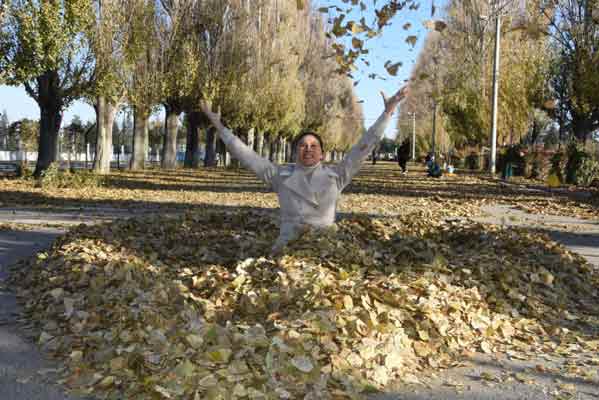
65,216
578,235
24,373
484,377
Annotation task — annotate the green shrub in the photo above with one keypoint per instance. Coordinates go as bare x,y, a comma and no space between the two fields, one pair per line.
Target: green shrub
538,165
513,155
457,162
558,161
588,172
472,161
53,177
576,156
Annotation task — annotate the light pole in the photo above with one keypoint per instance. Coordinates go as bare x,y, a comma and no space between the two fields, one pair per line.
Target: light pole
499,9
495,93
434,125
414,136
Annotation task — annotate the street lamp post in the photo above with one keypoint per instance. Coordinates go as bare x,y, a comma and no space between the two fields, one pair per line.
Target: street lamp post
495,93
499,9
414,136
434,125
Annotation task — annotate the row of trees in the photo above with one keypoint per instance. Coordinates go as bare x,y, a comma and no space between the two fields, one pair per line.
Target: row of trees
266,64
549,72
20,134
79,137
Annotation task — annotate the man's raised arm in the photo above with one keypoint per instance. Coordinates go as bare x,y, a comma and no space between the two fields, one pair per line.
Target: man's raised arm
352,162
263,168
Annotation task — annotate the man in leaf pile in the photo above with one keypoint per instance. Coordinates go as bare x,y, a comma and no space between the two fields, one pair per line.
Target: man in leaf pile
308,190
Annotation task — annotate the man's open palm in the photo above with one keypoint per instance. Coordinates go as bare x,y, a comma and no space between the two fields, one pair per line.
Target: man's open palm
392,102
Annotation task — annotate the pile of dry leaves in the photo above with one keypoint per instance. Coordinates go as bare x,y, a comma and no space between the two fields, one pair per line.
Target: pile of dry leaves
196,306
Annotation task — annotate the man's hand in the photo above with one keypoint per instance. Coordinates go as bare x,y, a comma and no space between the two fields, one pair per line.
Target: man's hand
392,102
212,116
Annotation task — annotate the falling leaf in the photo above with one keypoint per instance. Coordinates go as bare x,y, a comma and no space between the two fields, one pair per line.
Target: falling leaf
392,68
411,40
357,43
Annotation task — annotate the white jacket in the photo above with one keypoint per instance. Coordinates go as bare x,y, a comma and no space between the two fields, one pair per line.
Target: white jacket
302,202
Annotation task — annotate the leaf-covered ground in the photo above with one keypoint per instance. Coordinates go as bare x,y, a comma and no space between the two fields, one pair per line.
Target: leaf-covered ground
194,305
378,190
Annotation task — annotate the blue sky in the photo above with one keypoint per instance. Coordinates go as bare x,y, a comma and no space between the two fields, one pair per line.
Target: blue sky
390,46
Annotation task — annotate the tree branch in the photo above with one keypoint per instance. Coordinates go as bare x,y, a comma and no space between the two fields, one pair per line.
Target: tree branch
31,92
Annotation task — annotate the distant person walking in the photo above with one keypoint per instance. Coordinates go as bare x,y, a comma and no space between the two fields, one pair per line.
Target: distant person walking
403,155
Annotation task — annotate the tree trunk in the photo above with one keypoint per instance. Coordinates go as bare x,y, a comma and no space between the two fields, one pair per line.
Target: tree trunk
581,128
266,146
245,137
48,143
271,148
105,112
251,138
140,138
192,149
210,156
280,149
276,149
221,150
289,152
50,104
169,150
259,142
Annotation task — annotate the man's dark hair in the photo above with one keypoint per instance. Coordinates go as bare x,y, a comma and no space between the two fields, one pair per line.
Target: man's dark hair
303,135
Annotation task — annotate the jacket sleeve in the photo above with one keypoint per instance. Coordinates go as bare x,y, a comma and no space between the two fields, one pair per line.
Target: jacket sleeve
263,168
352,162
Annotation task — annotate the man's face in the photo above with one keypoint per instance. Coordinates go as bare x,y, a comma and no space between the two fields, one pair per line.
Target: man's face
309,152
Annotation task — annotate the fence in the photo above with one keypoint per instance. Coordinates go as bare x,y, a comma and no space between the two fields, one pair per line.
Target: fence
31,156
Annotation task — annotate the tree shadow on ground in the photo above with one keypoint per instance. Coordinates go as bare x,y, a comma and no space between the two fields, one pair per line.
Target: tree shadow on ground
485,377
587,243
19,244
370,181
373,180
